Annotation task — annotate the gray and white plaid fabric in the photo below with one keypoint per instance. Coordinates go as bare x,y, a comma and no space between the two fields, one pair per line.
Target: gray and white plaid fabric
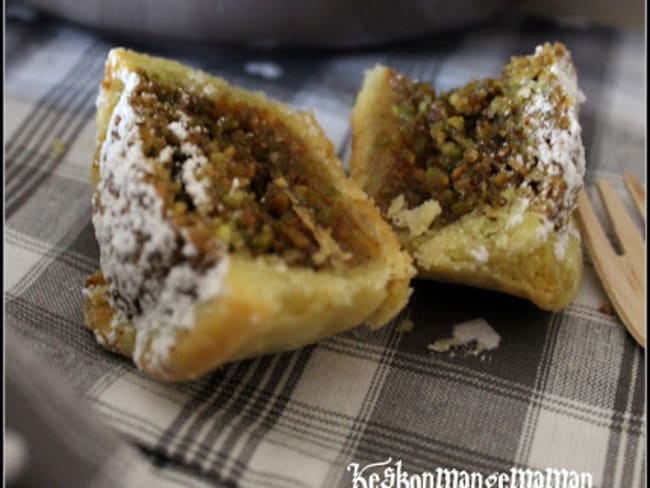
563,390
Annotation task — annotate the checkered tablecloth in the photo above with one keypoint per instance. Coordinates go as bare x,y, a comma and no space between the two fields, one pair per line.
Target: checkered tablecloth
562,390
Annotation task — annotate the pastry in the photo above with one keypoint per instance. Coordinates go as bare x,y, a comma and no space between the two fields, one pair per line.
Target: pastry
226,226
480,182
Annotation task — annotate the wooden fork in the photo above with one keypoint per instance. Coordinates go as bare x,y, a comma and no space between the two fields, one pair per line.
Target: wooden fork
622,275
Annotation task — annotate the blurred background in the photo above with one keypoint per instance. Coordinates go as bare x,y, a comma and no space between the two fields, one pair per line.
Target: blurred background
334,23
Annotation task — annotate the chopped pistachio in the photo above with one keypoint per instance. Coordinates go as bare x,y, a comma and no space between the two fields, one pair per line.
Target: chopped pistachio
460,208
420,145
234,199
224,232
433,173
404,110
384,140
457,122
446,197
471,154
508,194
450,148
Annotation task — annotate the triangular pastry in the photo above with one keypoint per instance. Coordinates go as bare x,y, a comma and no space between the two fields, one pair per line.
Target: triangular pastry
480,182
225,224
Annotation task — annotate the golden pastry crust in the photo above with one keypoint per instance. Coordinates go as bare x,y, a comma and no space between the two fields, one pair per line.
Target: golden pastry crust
261,305
513,246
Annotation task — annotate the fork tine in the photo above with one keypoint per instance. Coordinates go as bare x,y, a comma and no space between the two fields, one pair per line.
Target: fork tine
637,192
592,231
626,231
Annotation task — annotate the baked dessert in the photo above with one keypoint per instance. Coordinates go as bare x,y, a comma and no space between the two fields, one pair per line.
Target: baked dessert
480,182
225,224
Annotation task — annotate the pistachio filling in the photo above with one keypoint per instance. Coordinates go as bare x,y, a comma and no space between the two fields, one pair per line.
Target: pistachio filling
236,175
480,145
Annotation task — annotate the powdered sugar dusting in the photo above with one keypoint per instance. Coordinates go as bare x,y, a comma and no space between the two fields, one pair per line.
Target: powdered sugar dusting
558,150
179,127
196,187
517,216
141,252
544,230
480,254
566,74
556,147
561,245
166,155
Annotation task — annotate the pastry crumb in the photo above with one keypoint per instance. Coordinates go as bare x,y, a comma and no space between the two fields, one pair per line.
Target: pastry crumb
58,147
418,219
607,309
444,345
476,336
405,326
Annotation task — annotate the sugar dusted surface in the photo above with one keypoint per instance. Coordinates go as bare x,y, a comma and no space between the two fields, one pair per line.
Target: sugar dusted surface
480,254
517,216
537,106
556,150
139,247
